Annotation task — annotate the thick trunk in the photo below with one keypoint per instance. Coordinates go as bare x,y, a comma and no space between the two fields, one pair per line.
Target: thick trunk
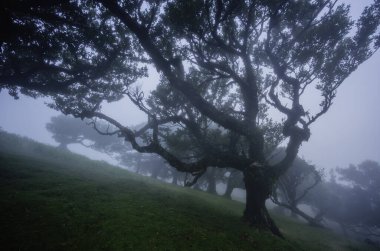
258,189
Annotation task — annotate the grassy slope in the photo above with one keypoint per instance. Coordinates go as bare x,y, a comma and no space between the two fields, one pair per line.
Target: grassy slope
63,201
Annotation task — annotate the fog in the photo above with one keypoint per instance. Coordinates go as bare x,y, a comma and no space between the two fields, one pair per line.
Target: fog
348,133
230,150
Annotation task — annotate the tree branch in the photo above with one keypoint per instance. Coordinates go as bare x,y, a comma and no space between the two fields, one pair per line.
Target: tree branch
163,65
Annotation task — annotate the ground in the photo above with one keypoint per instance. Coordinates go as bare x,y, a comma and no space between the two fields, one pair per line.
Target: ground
56,200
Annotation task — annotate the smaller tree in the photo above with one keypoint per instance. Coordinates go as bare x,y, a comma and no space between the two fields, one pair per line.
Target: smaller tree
68,130
209,180
292,188
234,180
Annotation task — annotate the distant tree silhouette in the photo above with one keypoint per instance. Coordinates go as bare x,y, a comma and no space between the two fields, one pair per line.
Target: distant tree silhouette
363,198
69,130
354,202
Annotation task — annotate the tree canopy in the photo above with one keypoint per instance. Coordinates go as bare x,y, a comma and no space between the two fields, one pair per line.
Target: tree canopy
222,65
68,130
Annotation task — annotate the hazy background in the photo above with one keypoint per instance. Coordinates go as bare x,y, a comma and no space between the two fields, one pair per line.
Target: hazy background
348,133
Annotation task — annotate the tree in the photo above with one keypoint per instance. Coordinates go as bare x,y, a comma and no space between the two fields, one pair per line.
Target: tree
353,203
222,64
234,180
363,199
294,186
69,130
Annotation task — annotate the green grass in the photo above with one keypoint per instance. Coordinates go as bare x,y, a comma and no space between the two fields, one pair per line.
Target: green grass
63,201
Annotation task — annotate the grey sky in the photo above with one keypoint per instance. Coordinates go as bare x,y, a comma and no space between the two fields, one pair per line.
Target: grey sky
348,133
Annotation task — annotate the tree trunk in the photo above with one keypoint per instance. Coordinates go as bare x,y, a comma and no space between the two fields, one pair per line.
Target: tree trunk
229,188
344,229
211,183
138,166
175,178
312,221
155,173
294,211
197,187
63,146
258,189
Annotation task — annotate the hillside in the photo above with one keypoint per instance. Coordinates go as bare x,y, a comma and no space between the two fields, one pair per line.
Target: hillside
54,200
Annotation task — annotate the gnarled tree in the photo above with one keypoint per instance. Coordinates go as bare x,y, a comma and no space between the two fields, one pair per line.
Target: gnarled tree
222,63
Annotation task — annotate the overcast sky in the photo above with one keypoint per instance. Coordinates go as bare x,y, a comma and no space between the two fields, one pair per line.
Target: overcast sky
348,133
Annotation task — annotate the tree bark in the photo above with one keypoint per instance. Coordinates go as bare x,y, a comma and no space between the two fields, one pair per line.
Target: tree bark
175,178
211,183
63,146
295,212
312,221
229,188
138,166
258,189
197,187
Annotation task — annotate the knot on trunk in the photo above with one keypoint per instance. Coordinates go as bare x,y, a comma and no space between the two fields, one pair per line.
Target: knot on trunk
302,134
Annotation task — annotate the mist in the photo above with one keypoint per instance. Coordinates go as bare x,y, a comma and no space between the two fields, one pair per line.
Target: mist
348,134
192,106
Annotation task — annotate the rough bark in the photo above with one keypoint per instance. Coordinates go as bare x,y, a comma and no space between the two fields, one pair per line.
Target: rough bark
258,188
